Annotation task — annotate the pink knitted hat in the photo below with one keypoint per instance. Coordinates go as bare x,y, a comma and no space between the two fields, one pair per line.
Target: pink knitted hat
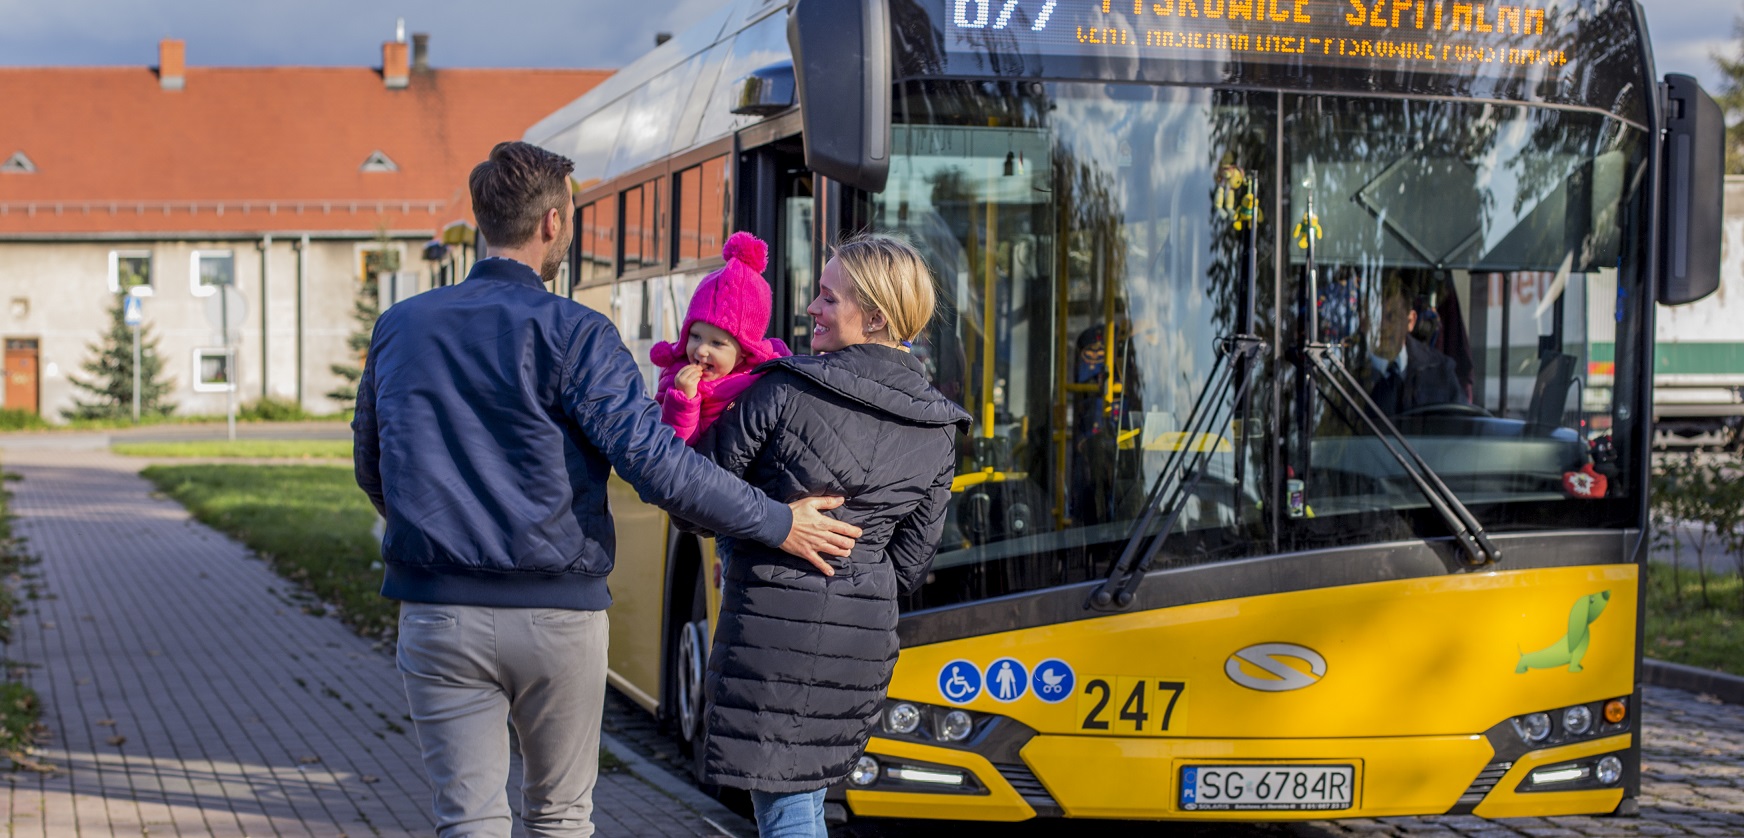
735,299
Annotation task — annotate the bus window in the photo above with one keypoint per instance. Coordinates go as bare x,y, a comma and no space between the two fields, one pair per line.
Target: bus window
702,210
759,45
598,233
641,225
1469,257
1086,268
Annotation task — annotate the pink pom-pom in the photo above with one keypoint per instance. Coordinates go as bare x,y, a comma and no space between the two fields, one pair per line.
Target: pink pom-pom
749,250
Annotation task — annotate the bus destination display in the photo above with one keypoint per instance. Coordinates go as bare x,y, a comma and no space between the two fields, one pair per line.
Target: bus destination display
1429,35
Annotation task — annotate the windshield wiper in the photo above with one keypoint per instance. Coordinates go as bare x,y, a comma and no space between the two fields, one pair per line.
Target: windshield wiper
1191,458
1182,472
1322,361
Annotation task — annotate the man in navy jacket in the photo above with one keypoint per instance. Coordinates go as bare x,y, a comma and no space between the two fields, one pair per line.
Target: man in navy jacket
489,417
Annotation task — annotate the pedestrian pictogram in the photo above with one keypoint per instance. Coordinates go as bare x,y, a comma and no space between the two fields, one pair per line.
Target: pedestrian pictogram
132,312
1007,679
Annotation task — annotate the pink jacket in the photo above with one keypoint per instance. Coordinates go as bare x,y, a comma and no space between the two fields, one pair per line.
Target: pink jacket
691,416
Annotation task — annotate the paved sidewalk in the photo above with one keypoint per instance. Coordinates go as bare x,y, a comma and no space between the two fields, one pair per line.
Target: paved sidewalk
186,695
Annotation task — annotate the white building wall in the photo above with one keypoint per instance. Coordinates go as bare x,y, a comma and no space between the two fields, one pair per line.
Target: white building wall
58,293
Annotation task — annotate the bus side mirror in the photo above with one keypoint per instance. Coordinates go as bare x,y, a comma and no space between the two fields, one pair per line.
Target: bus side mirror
1693,215
841,66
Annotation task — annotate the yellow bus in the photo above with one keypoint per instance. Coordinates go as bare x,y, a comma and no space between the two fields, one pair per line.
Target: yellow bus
1309,349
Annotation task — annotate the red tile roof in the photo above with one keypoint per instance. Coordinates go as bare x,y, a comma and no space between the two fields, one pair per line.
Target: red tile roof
256,149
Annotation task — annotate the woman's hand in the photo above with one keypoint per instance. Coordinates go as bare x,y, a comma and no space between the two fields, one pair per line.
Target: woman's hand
814,533
687,379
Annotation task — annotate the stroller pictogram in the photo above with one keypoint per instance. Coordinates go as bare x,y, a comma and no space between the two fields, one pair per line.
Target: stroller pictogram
1053,682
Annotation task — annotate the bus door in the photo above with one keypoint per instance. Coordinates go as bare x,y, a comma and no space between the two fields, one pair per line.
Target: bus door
777,201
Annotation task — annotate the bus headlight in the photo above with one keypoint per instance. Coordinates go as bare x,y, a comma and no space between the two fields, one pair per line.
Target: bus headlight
1608,770
902,718
1577,720
865,772
955,726
1616,711
1533,727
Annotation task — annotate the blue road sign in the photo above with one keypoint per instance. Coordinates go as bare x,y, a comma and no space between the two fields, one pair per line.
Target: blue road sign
132,312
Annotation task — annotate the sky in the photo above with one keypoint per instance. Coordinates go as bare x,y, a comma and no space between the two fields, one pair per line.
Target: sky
511,33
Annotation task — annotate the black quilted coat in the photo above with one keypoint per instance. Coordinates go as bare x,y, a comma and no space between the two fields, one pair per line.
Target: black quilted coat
801,661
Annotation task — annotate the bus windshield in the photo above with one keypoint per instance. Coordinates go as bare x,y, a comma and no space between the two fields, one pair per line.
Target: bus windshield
1473,270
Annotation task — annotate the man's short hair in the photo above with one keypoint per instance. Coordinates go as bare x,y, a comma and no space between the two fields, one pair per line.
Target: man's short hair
514,188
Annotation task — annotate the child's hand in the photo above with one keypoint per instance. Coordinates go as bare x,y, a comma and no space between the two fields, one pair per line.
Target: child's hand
687,379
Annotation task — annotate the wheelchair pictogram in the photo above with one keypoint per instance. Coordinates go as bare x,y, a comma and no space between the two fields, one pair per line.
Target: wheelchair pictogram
959,682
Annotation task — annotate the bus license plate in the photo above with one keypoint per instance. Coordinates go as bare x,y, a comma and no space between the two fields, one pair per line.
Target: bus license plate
1267,787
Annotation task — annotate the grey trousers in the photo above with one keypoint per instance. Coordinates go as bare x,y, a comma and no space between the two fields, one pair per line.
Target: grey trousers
470,672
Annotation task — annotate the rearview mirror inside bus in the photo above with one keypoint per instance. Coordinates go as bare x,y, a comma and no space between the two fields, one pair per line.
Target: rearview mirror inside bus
841,64
1694,189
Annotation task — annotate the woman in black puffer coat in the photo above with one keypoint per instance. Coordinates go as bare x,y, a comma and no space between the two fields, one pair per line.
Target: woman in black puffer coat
801,660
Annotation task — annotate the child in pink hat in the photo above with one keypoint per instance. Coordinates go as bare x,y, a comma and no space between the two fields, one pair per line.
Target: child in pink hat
723,341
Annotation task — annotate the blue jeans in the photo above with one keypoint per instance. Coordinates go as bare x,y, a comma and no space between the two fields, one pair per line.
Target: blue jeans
797,814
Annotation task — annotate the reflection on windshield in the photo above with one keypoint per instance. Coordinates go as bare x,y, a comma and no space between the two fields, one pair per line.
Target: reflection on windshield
1088,240
1085,251
1459,247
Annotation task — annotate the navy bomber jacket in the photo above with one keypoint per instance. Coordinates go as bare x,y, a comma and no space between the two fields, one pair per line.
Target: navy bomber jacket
489,416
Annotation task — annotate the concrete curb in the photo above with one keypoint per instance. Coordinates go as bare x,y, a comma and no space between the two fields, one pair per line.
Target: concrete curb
1727,688
725,820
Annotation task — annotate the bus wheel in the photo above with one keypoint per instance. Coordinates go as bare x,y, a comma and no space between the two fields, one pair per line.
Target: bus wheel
690,662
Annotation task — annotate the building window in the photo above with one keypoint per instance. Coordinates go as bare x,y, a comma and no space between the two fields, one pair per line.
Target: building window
214,370
378,162
702,210
209,269
18,164
128,268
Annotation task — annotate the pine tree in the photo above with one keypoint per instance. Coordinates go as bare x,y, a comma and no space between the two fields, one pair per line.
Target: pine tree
364,311
110,373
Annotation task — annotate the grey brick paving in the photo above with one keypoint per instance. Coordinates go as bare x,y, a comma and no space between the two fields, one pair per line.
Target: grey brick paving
1692,782
185,694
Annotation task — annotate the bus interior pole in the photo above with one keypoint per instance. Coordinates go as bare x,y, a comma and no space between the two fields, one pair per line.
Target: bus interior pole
1244,325
1307,332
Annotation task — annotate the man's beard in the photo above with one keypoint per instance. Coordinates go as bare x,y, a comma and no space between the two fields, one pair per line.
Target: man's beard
554,261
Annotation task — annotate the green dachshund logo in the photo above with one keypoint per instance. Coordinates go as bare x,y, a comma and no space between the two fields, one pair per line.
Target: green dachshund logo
1573,646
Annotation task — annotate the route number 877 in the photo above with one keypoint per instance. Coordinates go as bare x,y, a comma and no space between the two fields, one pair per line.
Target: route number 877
975,14
1129,705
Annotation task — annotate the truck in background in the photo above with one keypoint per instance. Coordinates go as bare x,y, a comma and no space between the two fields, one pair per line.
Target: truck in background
1698,365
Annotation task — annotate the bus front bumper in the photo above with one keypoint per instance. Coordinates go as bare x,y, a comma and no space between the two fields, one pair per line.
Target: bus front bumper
1141,778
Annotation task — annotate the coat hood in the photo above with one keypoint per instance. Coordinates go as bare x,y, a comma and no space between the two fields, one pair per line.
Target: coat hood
880,377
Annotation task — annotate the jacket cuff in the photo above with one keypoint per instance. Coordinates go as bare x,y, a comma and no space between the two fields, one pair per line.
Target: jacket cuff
777,523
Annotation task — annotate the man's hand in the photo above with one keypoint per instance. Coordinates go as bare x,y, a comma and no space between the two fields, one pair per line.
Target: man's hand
687,379
815,534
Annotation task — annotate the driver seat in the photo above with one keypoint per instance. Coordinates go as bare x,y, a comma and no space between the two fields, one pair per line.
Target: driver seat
1550,392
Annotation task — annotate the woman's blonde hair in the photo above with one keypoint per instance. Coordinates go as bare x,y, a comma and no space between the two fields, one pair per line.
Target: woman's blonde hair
891,278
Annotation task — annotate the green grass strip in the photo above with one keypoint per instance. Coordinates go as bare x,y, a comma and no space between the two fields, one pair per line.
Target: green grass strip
310,522
265,449
1682,628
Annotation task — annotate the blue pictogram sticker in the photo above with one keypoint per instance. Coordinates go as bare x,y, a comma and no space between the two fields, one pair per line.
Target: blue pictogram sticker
959,682
1053,681
1007,679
